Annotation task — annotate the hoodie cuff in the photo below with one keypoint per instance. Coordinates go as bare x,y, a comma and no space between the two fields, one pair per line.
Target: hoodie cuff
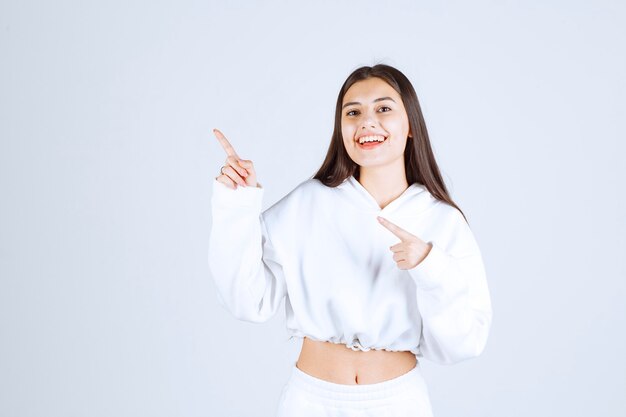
426,273
248,196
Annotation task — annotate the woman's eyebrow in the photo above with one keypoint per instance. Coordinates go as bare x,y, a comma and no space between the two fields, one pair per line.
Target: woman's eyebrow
378,99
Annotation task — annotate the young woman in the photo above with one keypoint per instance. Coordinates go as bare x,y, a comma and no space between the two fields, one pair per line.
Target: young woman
377,265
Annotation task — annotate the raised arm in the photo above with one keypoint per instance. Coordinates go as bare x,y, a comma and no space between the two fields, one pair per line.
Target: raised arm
244,264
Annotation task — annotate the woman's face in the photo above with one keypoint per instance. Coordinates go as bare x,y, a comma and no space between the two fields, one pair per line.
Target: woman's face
373,107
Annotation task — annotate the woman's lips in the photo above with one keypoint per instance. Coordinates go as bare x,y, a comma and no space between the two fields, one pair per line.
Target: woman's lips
370,145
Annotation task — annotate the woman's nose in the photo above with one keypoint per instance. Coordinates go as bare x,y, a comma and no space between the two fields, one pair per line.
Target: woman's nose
367,122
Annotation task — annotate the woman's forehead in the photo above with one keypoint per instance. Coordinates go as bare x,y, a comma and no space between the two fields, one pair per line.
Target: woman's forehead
369,90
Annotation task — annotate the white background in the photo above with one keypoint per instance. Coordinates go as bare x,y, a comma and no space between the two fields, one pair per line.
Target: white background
107,307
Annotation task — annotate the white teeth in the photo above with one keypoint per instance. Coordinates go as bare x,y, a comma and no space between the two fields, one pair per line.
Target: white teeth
364,139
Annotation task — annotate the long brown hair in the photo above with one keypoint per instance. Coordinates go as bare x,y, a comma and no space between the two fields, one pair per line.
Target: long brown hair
419,160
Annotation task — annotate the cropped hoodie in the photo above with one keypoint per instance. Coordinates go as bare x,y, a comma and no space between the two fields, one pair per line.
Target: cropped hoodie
322,250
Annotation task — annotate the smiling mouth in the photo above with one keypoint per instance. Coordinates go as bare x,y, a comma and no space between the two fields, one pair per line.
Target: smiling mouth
371,139
371,142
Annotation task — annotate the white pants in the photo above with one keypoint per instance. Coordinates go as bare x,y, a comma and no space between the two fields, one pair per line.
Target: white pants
307,396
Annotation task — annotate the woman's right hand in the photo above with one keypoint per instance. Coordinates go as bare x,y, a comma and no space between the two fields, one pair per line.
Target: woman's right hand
236,171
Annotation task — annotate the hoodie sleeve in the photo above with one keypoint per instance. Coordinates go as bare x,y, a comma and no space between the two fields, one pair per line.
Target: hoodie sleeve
244,264
452,296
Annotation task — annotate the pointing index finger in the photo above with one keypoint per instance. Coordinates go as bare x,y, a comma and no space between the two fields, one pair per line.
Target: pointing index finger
230,151
395,229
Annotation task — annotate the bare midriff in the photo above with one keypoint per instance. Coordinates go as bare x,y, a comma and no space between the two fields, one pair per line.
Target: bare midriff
340,364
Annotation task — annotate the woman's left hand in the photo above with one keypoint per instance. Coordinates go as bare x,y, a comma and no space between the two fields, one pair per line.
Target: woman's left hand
411,250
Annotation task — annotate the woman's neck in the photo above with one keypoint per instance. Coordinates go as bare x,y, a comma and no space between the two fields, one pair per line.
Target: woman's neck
383,183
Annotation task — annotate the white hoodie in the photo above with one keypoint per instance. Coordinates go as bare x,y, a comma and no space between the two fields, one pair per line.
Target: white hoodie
322,250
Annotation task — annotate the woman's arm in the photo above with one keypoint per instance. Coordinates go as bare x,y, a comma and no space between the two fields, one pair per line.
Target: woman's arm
244,264
453,297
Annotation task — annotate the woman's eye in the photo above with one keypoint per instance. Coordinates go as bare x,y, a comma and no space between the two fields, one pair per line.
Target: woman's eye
352,111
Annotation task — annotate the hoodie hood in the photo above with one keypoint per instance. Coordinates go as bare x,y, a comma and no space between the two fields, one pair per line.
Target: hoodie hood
416,196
